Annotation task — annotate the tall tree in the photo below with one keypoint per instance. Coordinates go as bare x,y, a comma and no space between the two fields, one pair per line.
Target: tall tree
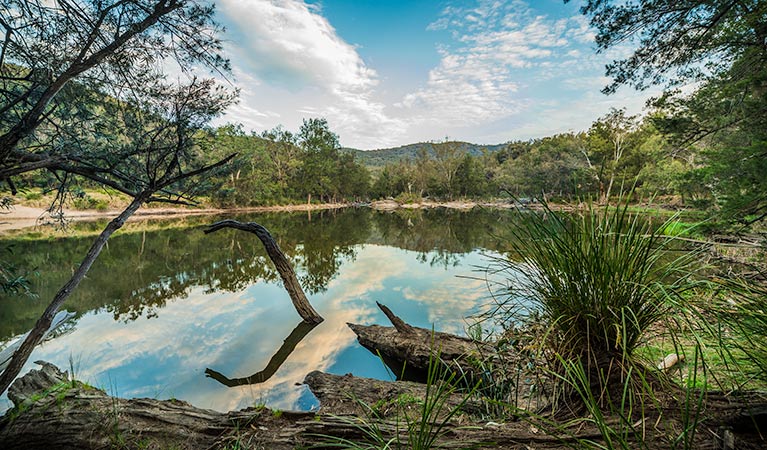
157,157
679,40
83,94
610,139
447,158
721,45
320,147
284,156
55,54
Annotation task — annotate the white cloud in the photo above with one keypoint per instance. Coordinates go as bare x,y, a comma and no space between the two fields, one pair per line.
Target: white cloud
504,61
289,44
478,79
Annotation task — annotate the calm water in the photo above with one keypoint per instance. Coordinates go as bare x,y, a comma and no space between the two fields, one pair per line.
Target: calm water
163,303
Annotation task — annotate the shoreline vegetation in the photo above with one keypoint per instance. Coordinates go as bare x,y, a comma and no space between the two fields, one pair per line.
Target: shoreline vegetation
23,216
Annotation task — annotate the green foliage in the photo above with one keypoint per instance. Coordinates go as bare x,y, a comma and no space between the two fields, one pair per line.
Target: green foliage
12,282
720,46
598,279
87,202
406,198
600,410
279,167
742,327
100,108
680,43
389,156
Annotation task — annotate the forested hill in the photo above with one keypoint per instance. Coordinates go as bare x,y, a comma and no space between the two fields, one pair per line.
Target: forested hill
381,157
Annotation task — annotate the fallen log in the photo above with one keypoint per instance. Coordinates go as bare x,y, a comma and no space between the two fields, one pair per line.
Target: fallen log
496,370
54,412
288,275
408,350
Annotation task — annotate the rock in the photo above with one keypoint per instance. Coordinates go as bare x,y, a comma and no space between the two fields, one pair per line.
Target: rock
670,361
35,382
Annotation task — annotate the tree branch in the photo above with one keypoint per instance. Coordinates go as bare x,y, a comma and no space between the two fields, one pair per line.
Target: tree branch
300,302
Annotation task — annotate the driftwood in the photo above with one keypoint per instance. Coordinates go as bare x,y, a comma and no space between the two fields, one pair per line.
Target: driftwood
53,412
409,350
297,296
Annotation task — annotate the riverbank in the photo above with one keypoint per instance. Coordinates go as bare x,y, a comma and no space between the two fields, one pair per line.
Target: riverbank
28,216
53,409
21,216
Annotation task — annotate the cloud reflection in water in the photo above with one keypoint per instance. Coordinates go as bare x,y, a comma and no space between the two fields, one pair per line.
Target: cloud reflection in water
237,333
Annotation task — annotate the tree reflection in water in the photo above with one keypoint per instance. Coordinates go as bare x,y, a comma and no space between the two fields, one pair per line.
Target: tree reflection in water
296,336
159,262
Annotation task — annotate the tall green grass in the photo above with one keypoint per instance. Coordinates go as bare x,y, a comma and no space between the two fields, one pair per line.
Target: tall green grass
597,279
741,329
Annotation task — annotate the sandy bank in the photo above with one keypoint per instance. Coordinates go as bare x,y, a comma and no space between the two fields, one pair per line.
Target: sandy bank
26,217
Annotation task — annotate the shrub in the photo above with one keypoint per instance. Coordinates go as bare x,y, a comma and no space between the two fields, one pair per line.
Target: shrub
598,279
32,196
408,198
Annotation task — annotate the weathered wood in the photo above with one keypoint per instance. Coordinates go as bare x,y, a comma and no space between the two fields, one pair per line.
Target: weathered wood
350,395
70,415
398,323
53,412
409,350
297,296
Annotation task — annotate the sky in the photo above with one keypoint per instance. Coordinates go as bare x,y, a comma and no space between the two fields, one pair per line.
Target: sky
386,73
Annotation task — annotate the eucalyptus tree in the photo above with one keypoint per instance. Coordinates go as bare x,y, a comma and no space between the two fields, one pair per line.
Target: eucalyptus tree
610,139
721,45
58,56
84,94
283,155
447,159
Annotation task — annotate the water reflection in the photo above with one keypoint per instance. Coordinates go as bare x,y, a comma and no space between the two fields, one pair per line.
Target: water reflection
296,336
160,306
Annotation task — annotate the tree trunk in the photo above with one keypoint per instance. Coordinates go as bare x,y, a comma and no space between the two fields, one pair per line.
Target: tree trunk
300,302
54,412
21,355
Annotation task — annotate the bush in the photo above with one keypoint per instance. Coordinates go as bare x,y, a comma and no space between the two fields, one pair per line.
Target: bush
88,202
408,198
597,279
32,196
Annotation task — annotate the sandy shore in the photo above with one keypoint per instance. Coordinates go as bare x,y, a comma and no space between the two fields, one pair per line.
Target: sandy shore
26,217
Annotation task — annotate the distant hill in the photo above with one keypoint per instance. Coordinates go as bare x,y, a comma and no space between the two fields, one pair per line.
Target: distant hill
381,157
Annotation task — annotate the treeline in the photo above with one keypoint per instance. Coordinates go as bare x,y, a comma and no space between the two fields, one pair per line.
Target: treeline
616,153
278,166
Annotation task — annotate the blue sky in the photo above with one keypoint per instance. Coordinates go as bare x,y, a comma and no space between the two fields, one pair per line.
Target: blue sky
388,73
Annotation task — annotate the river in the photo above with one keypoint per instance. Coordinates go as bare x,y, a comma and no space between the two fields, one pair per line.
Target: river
164,302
